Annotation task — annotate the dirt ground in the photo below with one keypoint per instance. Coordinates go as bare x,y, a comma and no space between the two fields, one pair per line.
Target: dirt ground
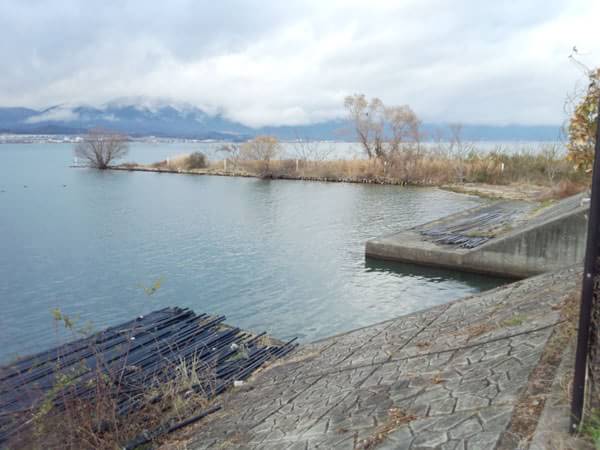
528,192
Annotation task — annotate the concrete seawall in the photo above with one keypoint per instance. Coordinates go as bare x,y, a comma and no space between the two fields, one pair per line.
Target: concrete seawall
516,240
449,377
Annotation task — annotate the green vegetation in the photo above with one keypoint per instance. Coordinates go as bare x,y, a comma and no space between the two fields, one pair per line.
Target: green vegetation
151,290
514,321
591,427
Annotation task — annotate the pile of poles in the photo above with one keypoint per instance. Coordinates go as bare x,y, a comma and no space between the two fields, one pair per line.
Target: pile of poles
135,355
468,232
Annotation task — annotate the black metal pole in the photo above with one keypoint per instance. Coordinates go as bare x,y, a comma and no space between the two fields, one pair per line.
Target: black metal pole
590,271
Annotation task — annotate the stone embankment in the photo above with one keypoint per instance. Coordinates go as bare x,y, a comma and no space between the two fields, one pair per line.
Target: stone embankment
455,376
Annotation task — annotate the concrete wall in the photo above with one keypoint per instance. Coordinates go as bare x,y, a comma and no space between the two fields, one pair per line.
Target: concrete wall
552,241
539,248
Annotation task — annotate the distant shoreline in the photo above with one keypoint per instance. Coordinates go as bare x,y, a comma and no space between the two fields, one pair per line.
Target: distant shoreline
515,191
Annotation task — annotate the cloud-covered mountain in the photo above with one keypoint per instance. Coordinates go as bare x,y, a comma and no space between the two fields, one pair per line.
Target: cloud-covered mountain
148,117
134,118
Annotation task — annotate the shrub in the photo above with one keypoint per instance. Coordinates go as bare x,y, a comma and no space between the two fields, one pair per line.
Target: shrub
263,149
197,160
582,126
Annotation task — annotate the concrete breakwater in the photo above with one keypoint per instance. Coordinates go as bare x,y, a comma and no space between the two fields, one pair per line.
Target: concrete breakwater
506,238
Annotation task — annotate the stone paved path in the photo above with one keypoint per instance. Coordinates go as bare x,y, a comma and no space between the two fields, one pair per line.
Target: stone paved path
449,376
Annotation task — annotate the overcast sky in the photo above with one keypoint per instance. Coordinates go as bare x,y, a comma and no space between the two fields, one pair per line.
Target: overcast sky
292,62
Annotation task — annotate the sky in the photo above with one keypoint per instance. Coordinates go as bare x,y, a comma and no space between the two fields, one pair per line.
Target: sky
274,62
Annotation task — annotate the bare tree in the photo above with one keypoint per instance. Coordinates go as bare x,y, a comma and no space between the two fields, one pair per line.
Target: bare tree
458,150
552,160
310,150
382,131
233,152
261,148
99,148
368,120
404,126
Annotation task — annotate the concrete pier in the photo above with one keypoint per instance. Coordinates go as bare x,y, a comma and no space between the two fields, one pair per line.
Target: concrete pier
507,238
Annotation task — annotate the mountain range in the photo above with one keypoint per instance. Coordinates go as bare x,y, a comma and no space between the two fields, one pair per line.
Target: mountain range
143,117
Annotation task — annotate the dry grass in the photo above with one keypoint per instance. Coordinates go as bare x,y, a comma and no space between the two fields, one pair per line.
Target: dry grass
564,189
396,418
180,163
96,424
531,404
431,168
438,379
423,345
434,166
545,168
476,330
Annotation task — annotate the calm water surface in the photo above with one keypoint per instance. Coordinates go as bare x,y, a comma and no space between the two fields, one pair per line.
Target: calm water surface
282,256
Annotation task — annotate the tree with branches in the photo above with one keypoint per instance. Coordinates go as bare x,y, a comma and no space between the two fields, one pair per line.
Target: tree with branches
382,130
233,152
99,148
306,149
261,148
582,125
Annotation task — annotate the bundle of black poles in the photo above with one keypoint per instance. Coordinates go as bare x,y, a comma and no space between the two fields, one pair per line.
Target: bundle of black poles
459,231
134,355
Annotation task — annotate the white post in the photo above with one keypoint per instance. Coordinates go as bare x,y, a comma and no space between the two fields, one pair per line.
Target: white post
296,165
225,164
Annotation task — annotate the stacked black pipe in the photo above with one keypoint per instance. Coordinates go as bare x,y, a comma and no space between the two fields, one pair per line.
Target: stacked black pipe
135,355
468,232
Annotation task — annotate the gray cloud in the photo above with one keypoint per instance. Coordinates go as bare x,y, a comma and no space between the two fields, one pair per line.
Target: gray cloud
271,62
63,114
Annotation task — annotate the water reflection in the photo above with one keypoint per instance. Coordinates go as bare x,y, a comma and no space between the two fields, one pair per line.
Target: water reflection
434,274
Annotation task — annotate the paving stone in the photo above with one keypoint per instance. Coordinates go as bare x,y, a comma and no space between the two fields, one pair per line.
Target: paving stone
453,445
469,402
451,421
399,439
429,440
441,407
466,429
483,441
458,387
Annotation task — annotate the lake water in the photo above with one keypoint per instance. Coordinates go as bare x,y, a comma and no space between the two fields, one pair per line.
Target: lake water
282,256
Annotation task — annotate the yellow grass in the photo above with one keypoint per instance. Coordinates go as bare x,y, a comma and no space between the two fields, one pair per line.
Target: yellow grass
430,167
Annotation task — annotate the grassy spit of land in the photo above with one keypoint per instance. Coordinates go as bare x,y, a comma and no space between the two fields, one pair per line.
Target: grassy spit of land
539,175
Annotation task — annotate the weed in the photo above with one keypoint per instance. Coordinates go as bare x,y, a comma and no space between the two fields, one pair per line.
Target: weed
479,329
591,427
396,418
82,409
514,321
